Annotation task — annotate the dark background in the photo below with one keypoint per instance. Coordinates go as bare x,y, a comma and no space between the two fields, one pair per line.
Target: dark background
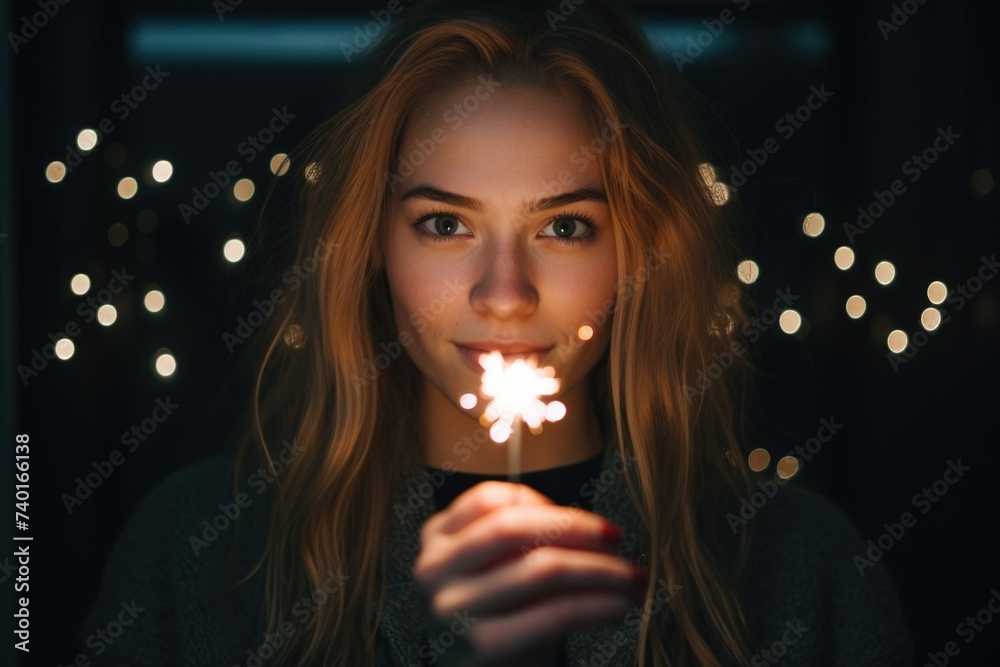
890,97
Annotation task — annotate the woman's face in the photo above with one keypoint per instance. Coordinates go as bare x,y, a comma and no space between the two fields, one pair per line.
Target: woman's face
485,263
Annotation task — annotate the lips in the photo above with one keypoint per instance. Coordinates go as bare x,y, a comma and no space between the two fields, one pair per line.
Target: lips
510,353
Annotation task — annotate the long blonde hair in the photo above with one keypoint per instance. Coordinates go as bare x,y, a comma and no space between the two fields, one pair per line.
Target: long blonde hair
328,510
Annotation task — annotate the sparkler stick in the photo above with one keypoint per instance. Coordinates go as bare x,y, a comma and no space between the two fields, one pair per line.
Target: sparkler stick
515,388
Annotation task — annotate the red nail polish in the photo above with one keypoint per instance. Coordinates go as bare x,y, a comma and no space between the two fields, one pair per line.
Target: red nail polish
611,534
640,575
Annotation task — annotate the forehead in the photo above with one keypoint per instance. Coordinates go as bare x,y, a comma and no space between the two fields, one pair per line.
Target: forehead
513,136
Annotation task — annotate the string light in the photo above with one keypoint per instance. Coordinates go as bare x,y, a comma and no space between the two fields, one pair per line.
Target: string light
234,250
843,257
80,284
748,271
885,272
162,171
856,306
813,224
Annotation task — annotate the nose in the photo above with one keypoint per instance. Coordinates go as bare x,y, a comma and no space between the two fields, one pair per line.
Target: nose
505,288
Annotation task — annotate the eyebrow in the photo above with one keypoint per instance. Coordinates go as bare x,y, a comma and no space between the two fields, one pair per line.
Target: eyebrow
435,194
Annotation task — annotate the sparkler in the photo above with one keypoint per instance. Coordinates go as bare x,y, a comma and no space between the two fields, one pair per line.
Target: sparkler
515,388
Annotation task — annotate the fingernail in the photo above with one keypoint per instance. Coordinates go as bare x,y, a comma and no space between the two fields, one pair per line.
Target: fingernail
611,534
640,575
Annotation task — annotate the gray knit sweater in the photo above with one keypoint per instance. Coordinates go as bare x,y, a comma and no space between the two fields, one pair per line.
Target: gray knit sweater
805,601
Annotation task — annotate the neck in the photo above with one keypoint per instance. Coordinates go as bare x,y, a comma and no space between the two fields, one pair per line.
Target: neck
452,440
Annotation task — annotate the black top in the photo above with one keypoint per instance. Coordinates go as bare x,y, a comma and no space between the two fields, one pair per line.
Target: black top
574,485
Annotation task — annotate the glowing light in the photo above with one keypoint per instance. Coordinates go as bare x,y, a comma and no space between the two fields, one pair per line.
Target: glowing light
295,336
117,234
154,301
719,193
586,332
843,257
790,321
787,467
707,173
813,224
280,164
930,319
748,271
107,315
885,272
55,172
515,388
312,172
759,459
65,348
86,139
165,363
234,250
897,341
982,182
127,187
468,401
243,189
936,292
856,306
555,411
162,171
80,284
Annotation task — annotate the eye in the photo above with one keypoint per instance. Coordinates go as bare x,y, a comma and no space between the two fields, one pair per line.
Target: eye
444,226
566,226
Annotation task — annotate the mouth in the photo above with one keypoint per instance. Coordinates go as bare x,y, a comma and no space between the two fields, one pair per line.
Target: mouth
471,356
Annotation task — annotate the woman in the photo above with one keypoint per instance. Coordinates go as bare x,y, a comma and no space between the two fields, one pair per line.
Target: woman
522,178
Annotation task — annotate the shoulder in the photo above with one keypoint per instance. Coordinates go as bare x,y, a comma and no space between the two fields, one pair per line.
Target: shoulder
166,575
808,582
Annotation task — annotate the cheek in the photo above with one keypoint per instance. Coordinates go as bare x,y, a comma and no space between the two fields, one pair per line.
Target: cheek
418,287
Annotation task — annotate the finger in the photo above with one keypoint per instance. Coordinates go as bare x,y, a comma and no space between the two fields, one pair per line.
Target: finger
484,498
521,632
544,573
510,530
